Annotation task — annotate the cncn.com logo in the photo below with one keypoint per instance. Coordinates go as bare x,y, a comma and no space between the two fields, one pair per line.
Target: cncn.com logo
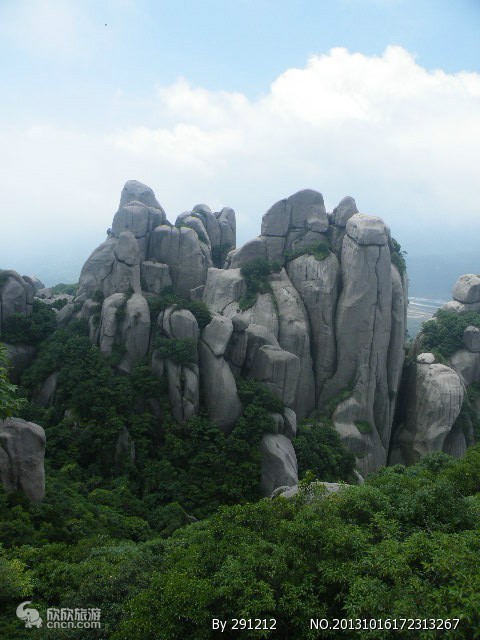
60,618
29,615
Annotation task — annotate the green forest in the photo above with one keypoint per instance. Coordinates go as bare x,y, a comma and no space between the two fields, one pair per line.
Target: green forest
176,534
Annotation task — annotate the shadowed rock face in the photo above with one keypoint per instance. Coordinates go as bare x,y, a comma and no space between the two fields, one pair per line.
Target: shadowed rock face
16,295
22,450
434,397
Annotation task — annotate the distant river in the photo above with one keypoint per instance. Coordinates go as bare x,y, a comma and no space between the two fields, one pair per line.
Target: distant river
419,310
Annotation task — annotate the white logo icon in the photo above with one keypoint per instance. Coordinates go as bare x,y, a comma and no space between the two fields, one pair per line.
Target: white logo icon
31,617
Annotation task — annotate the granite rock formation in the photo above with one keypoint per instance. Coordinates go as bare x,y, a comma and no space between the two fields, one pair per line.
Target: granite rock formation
328,320
22,450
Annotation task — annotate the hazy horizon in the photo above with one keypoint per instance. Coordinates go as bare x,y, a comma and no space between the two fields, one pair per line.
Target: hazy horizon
240,105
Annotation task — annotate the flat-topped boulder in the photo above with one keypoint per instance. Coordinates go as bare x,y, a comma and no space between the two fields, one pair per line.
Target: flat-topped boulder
367,229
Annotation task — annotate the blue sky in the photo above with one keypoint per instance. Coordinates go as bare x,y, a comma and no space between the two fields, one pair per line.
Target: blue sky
236,103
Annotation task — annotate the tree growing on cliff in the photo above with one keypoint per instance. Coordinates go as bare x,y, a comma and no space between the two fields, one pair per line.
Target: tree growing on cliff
9,402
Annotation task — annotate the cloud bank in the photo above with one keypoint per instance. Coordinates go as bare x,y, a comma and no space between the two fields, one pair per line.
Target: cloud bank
402,140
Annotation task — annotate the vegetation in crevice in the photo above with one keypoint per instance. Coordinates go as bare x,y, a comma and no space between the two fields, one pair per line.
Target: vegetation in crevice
256,275
320,250
32,329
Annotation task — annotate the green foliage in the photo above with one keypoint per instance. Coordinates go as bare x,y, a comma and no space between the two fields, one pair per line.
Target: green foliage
10,404
59,304
256,275
32,330
252,391
397,256
319,250
320,451
158,303
363,426
121,310
201,312
178,350
444,334
219,255
70,289
98,296
404,545
326,412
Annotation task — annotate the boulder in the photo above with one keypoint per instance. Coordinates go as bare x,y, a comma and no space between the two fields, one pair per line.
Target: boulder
22,451
96,269
367,230
279,463
16,296
44,396
135,331
471,339
461,307
183,390
20,357
220,391
290,423
35,282
345,210
303,210
467,365
433,399
253,250
223,286
278,370
197,225
65,314
227,223
263,313
155,276
180,324
257,337
217,334
236,352
180,249
426,358
467,289
139,192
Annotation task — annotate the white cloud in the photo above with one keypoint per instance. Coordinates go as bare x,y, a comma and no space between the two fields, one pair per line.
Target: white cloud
402,140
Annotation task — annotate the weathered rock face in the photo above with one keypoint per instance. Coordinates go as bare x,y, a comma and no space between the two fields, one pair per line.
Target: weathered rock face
125,323
318,283
330,320
16,296
182,251
467,289
363,331
221,396
471,339
294,337
183,380
22,450
20,357
279,463
433,399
